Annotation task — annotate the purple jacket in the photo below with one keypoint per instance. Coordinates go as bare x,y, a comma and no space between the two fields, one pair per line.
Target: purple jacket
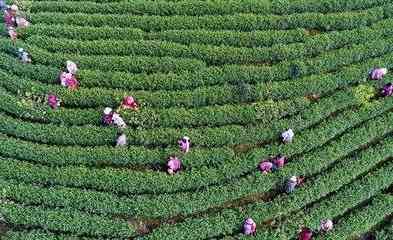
378,73
387,90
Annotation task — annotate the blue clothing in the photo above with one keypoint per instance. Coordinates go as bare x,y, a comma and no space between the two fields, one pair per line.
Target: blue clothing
290,187
3,5
275,168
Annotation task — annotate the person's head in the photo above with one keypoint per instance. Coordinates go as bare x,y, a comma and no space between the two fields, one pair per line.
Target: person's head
293,179
71,67
249,221
13,10
107,110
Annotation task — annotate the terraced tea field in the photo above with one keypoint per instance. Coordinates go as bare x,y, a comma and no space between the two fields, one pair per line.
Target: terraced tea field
232,75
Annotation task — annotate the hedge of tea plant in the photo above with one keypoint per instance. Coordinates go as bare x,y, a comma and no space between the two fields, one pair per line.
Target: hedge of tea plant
232,76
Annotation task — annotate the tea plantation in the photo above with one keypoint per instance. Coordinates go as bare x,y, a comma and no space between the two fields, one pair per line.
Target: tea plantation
232,76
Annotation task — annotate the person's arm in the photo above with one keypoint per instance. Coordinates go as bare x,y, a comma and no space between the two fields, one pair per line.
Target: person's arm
7,19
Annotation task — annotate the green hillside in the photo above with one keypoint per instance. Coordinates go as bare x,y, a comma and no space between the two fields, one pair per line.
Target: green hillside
233,76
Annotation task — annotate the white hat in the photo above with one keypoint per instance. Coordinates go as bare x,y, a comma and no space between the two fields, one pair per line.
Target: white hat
71,67
186,138
250,221
293,179
107,110
20,49
14,7
288,135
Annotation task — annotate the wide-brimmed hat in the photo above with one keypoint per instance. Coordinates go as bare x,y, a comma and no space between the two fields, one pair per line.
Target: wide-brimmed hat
14,7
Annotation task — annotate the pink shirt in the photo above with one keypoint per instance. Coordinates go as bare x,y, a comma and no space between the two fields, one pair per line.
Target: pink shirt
249,227
305,234
53,101
265,167
68,80
174,164
378,73
279,161
10,21
129,103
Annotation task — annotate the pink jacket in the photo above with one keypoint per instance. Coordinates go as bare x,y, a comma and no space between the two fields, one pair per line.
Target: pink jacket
129,103
378,73
68,80
249,227
265,167
305,234
174,165
53,101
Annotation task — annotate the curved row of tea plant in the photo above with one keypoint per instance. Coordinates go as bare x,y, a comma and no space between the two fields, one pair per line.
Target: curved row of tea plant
231,75
239,22
229,220
198,97
212,55
200,8
78,173
109,204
